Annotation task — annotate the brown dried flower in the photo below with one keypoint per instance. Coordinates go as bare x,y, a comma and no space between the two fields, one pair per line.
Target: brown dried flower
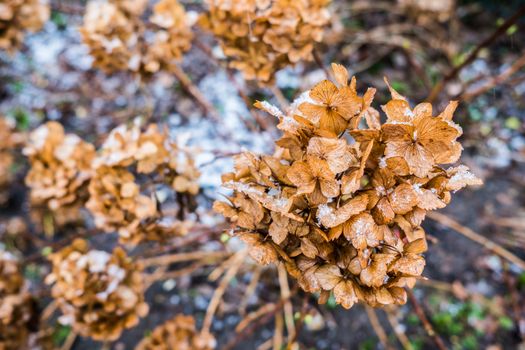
60,169
342,206
99,294
16,304
173,37
19,16
178,333
121,201
120,40
261,37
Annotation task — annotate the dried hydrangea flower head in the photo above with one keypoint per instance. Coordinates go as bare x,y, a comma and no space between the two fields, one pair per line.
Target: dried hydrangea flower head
16,304
120,40
261,37
99,294
172,38
8,140
113,35
132,167
60,168
19,16
341,201
178,333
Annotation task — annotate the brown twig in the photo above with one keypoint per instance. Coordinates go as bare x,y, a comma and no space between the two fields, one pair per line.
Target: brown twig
285,295
517,314
261,121
60,244
191,89
278,337
378,328
254,315
68,9
398,329
255,325
476,237
283,102
219,292
198,233
70,340
182,257
426,324
319,61
474,54
250,290
495,81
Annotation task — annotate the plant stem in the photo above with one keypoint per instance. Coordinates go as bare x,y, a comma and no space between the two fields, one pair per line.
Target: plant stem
474,54
476,237
426,324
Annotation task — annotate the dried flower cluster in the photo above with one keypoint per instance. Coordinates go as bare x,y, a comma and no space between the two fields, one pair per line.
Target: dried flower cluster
19,16
60,169
99,294
7,143
341,204
121,202
16,304
178,333
261,37
119,39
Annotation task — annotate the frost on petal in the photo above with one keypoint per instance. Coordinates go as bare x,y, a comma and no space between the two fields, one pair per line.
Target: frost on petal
460,177
330,217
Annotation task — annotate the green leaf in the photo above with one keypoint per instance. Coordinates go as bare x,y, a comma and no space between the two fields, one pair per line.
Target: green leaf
368,344
60,334
521,280
512,123
412,320
506,323
225,237
330,303
470,343
59,19
46,251
22,119
512,29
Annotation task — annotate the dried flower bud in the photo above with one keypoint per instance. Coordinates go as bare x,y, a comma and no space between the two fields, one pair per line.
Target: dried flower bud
16,304
342,206
60,168
99,294
121,201
261,37
177,333
19,16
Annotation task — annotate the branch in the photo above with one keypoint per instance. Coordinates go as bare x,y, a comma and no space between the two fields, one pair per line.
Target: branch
191,89
378,329
474,54
319,61
426,324
262,121
182,257
476,237
494,81
219,292
398,329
